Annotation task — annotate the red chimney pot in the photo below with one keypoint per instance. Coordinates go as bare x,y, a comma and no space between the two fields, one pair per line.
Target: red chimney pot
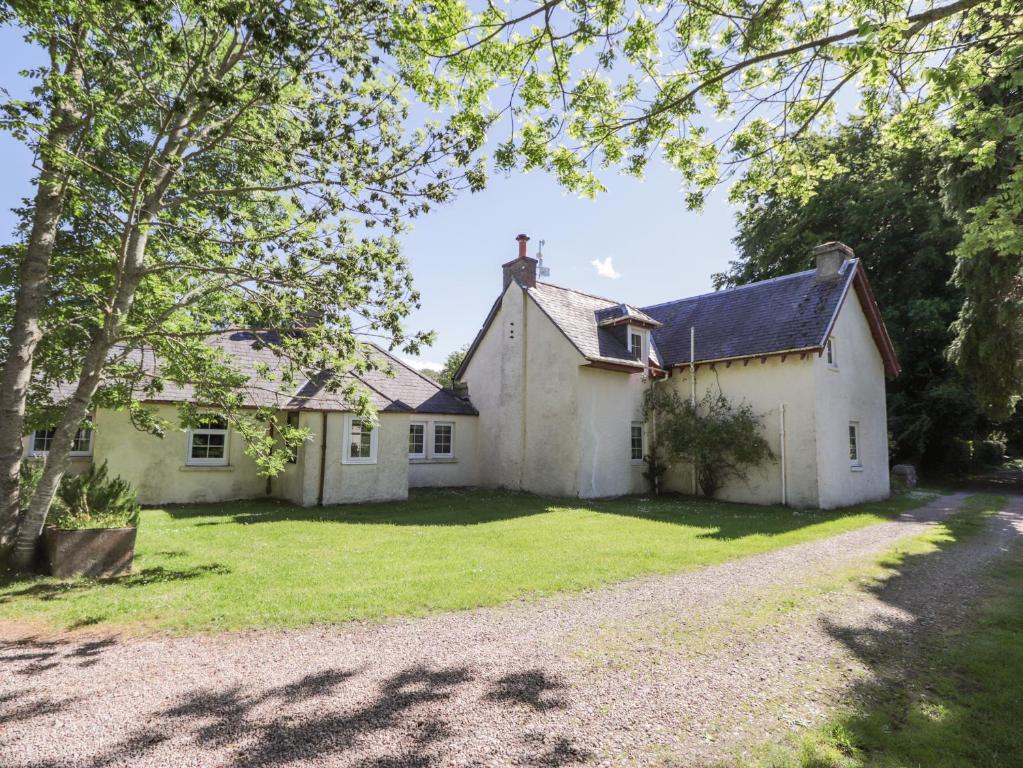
523,239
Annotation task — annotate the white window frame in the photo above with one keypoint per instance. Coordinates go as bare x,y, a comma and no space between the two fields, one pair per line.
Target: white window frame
853,436
642,441
433,440
426,437
73,454
346,445
634,333
223,461
831,353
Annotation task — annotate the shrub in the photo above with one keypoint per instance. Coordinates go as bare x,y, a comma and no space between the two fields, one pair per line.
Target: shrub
958,456
31,474
719,438
987,453
94,500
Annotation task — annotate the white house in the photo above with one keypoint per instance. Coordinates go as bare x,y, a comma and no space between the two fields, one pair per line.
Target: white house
558,376
551,401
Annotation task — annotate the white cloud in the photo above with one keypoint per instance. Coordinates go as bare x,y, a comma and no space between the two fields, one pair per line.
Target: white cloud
419,363
605,268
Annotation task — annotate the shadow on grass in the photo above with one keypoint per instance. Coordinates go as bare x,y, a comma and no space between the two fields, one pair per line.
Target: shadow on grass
946,682
467,507
56,590
416,717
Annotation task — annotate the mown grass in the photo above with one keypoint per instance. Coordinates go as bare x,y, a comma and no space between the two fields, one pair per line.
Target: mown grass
263,564
960,701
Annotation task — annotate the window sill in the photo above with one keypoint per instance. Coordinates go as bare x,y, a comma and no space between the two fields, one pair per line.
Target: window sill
638,462
357,463
856,468
435,460
206,468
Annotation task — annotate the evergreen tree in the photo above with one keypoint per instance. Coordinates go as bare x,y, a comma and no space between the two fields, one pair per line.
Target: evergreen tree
886,204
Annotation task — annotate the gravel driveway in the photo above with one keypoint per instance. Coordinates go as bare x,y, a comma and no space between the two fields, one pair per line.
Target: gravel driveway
675,670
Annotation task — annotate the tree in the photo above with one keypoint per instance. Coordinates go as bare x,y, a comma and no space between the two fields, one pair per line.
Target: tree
732,87
984,192
452,363
886,203
594,84
719,439
260,166
57,119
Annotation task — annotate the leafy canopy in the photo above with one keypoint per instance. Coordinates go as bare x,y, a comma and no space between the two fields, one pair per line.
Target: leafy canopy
888,201
236,165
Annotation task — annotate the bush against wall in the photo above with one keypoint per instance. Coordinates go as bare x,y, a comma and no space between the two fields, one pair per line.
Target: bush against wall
721,439
93,499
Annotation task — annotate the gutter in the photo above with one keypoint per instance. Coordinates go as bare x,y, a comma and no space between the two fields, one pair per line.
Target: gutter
797,351
323,457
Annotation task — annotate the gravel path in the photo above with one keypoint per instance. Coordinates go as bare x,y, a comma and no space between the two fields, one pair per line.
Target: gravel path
675,670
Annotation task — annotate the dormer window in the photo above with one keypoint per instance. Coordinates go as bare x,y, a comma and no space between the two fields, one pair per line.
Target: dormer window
636,344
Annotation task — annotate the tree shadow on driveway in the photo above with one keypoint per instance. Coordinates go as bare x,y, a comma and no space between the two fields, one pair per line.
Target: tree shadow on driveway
943,688
415,718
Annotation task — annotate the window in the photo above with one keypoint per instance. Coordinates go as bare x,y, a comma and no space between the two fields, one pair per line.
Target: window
360,442
293,424
42,439
443,440
636,345
636,447
854,444
207,443
829,353
417,440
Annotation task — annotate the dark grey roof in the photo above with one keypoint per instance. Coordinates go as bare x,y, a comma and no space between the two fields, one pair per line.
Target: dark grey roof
792,312
621,312
576,314
789,313
393,386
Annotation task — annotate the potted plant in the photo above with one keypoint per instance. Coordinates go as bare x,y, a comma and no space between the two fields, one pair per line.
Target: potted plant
93,525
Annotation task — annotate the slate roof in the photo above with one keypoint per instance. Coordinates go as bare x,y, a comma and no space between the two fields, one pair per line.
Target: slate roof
793,312
619,312
578,316
393,387
790,313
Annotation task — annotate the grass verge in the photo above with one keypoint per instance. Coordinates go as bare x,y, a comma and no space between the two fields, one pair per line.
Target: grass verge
265,564
960,703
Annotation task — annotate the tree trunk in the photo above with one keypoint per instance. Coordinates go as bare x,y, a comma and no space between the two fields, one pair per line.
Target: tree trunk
31,525
57,460
135,237
33,279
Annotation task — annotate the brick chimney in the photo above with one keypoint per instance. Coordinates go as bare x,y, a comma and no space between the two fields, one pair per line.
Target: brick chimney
522,268
829,257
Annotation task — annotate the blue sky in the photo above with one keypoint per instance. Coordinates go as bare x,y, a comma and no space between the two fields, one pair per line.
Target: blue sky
658,249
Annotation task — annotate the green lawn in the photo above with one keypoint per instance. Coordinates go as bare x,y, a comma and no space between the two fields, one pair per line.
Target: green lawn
268,564
960,702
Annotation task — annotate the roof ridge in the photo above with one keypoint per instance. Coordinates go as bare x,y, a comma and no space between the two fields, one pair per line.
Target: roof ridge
727,291
407,367
584,293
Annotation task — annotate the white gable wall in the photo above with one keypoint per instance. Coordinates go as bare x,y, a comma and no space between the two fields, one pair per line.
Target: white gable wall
854,391
493,375
522,379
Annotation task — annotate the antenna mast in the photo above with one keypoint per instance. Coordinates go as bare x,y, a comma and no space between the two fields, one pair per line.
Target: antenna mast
542,271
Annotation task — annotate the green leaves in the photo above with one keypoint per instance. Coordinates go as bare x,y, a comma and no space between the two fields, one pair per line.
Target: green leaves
719,438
